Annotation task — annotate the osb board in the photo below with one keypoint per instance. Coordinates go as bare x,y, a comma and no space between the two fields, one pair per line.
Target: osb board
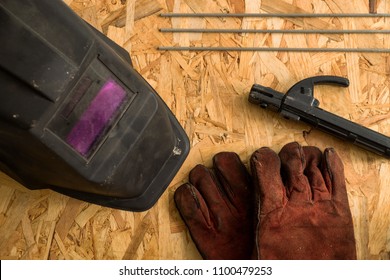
207,91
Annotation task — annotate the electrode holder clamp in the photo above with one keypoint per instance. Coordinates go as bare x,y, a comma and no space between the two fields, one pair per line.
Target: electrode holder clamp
299,104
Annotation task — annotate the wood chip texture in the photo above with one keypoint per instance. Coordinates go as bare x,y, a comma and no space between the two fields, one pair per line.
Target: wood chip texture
207,92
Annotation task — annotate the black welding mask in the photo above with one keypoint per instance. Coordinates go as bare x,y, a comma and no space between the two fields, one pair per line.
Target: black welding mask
75,116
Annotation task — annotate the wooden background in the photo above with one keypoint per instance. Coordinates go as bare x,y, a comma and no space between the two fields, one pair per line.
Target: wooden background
208,91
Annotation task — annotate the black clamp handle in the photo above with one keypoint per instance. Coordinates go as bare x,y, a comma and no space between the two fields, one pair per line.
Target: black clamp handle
299,104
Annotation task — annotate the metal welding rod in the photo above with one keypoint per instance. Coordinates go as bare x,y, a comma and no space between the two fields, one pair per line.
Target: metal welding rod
276,31
267,15
272,49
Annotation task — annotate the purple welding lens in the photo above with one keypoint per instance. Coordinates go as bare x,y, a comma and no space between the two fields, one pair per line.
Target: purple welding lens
96,118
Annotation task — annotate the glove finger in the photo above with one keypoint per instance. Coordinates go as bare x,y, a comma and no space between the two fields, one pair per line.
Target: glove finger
334,176
234,179
293,165
313,157
265,167
195,214
191,206
209,188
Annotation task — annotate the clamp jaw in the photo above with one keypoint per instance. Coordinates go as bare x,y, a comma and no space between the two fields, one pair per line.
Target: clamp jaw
299,104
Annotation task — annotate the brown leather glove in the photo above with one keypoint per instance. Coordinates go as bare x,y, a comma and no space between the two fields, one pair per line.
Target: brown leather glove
217,207
304,211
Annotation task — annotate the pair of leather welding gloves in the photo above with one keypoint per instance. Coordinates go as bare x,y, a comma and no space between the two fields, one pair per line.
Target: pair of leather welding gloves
293,206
